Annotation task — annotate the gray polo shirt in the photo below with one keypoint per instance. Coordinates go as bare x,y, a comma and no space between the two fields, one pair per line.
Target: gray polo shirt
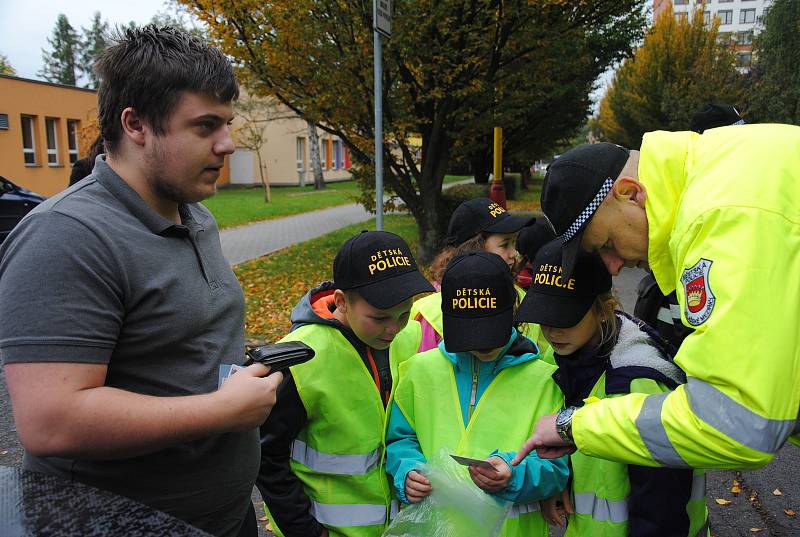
94,275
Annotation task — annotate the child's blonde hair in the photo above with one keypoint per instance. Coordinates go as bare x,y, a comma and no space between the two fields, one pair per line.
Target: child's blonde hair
603,307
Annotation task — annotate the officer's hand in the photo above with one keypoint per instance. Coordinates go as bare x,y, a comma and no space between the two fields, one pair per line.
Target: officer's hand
247,397
545,440
493,480
417,486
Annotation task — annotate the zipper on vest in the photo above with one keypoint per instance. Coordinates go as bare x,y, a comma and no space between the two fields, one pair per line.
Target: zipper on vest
474,393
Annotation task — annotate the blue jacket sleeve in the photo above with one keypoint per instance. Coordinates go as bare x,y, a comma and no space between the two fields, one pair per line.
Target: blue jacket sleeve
534,479
403,453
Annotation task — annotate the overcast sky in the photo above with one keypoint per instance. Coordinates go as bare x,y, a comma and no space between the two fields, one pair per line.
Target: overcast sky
25,25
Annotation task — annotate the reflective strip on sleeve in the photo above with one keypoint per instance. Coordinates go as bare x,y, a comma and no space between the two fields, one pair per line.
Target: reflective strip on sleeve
586,503
331,463
654,435
665,316
517,510
734,419
350,514
698,487
675,310
394,508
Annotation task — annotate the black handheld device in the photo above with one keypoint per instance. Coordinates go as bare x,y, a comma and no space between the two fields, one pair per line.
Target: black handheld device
280,356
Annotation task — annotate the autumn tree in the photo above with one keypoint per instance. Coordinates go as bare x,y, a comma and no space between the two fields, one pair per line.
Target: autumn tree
680,66
774,82
5,66
253,113
452,69
60,62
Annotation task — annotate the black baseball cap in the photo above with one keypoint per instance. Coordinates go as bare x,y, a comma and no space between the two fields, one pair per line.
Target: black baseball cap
561,301
533,237
574,187
379,265
478,298
713,115
482,215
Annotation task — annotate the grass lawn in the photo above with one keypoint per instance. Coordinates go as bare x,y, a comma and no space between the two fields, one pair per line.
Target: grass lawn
528,200
237,206
274,284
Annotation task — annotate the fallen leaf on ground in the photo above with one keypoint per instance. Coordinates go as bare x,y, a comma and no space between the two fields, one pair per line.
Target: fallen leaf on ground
777,492
4,452
789,512
264,518
736,489
755,530
722,501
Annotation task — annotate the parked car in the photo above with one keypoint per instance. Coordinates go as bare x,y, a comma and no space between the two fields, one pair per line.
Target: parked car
15,202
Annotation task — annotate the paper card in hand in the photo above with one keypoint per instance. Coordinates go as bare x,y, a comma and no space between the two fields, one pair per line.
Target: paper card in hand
466,461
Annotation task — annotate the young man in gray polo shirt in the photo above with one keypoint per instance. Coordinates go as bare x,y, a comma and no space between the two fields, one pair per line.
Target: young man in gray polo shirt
118,307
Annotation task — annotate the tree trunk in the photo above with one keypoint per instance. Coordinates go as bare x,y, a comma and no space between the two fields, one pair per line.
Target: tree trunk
524,177
480,168
264,179
316,163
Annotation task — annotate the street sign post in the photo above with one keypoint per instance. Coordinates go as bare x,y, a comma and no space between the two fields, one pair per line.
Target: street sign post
382,25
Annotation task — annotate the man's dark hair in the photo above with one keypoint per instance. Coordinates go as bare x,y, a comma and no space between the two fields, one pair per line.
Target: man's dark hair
149,68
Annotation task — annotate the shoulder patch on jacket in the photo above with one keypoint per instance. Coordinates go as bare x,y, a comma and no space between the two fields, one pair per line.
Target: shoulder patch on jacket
698,297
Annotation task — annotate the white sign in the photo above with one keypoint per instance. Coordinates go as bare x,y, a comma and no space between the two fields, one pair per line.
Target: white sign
382,15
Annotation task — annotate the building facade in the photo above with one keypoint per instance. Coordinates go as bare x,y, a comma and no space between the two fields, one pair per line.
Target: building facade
739,20
40,124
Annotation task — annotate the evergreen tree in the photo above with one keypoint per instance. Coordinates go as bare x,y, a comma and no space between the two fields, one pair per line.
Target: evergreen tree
775,79
92,44
5,66
60,61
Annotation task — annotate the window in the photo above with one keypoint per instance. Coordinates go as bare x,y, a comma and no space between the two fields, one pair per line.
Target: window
725,1
724,38
725,16
338,160
681,3
4,122
747,16
745,38
28,141
52,141
743,59
707,18
324,157
681,16
300,154
72,140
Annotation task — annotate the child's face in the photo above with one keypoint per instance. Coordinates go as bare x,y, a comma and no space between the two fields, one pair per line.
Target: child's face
504,245
565,341
377,328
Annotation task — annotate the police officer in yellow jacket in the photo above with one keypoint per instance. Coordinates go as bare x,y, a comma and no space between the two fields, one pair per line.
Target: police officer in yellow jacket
717,218
322,469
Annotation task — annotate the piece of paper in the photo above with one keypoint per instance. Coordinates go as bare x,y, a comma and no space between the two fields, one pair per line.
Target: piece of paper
466,461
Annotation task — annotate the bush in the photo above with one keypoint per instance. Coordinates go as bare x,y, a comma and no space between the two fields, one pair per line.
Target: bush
455,196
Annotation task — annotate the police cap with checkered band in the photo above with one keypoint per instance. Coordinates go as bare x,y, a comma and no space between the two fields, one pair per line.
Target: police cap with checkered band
574,187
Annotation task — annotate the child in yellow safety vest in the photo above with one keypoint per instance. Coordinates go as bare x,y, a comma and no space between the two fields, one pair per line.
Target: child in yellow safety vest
603,353
322,471
476,225
477,394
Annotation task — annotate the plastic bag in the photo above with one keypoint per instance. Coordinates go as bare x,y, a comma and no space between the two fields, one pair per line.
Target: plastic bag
456,507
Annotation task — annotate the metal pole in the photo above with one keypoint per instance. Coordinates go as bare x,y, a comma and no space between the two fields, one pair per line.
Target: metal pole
378,133
497,190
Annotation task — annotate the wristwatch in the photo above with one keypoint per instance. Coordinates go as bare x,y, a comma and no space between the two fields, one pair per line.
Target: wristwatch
564,424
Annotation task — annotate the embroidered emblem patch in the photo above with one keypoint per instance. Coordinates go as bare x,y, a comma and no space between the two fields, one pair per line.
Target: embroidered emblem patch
697,292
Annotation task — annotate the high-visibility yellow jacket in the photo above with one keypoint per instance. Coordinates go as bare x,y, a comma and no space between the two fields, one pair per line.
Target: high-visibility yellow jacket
339,454
724,230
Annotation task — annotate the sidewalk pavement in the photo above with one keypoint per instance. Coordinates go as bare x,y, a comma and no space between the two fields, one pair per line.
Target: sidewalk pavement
248,242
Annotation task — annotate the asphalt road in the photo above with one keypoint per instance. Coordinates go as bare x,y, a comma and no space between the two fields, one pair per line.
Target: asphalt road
753,511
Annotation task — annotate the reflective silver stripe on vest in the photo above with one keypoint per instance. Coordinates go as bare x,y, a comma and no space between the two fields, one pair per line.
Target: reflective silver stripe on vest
517,510
735,420
394,508
350,514
653,434
665,315
586,503
331,463
698,487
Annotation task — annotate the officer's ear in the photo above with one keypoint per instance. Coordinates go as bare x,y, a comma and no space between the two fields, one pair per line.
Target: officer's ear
627,190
